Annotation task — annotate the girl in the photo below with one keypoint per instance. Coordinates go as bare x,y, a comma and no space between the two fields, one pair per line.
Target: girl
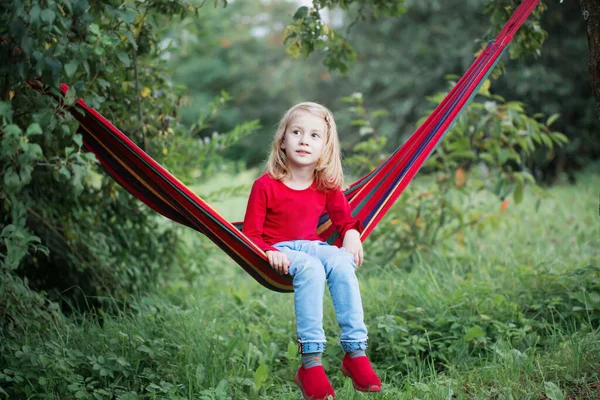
303,180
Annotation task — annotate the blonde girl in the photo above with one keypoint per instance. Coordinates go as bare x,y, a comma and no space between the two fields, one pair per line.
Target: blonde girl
304,179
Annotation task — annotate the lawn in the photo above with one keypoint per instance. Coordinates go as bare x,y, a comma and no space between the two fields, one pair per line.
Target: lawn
509,312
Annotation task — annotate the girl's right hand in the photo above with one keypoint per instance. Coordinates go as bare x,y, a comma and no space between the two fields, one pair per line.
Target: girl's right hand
279,261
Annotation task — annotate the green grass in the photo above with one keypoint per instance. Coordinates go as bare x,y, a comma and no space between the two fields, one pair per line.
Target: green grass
512,314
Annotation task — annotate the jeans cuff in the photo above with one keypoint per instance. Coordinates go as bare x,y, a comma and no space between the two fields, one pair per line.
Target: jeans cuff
353,345
310,347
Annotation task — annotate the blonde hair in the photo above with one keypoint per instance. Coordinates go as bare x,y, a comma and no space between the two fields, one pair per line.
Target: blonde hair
328,172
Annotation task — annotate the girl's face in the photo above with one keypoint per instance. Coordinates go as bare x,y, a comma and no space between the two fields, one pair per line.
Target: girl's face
304,139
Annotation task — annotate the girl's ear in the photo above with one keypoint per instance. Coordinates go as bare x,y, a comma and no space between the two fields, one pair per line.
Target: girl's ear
282,145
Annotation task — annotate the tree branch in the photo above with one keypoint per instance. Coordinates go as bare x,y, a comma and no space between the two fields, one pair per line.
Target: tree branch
69,245
138,99
6,91
55,230
590,10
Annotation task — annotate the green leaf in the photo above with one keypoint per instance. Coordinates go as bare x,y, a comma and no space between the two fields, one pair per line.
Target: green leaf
34,129
54,65
73,387
103,83
11,178
365,130
64,171
70,96
18,29
14,129
81,7
145,349
260,375
77,138
503,156
48,16
474,333
301,13
34,14
124,58
129,37
518,194
552,119
559,137
95,29
5,108
380,113
200,374
487,157
547,141
515,105
553,392
463,154
86,67
71,68
127,16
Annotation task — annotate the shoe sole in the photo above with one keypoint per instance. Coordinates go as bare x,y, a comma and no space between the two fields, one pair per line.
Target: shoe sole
298,383
371,388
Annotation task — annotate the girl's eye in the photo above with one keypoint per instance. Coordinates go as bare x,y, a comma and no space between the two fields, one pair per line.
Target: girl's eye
315,135
296,131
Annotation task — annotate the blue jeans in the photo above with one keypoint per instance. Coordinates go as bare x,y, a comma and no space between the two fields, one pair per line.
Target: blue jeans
311,263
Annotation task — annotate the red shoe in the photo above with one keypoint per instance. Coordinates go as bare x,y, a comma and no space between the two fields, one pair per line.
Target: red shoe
359,369
313,383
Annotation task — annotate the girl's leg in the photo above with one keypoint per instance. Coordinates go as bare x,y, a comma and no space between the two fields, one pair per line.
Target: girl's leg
309,286
343,285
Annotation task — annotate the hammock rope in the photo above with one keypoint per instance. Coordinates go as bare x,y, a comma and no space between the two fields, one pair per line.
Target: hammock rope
370,197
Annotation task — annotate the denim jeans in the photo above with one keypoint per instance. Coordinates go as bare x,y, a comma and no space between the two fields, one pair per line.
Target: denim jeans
311,263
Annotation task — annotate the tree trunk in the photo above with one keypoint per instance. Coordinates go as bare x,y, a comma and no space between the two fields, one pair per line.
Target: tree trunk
591,14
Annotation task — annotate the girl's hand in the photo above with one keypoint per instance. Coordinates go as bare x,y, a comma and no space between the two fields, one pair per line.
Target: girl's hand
279,261
353,245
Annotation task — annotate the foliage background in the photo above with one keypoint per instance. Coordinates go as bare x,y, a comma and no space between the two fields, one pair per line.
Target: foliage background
200,88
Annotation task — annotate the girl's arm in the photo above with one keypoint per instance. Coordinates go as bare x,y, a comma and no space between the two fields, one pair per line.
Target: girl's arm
340,213
348,227
255,216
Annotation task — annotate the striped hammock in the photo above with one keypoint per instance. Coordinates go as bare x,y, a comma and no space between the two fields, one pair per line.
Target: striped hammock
369,198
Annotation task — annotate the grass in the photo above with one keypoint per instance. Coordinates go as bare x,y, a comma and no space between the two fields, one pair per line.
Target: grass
512,314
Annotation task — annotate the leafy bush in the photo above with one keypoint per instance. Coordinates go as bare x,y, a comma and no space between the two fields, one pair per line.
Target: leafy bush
478,316
486,150
69,230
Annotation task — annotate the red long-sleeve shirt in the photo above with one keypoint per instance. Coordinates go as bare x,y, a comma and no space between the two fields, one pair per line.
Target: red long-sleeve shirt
277,213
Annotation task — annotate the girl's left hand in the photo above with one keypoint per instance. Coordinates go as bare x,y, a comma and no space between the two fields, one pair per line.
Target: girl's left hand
353,245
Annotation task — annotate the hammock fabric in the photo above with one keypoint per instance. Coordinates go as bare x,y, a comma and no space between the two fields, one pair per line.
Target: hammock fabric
369,198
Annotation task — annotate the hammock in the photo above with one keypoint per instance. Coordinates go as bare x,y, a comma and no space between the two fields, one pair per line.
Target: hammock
369,198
